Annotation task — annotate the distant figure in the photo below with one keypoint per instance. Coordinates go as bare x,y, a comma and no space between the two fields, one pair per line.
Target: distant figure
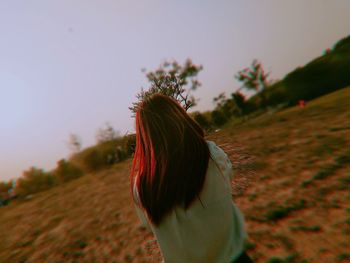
181,186
301,103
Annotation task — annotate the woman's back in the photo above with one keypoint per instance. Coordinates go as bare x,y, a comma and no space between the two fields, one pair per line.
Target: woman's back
212,229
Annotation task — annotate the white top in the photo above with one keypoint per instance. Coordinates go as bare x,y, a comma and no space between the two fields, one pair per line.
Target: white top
214,233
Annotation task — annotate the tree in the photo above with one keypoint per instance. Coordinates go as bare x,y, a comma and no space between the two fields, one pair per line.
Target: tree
320,76
5,186
107,133
130,144
173,80
220,100
220,114
218,117
226,106
74,143
34,180
4,192
202,120
67,171
254,78
240,101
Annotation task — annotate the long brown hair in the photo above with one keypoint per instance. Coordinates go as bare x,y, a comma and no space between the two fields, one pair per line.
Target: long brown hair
171,157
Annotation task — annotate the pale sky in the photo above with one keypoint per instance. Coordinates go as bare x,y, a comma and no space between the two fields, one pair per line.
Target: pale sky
70,66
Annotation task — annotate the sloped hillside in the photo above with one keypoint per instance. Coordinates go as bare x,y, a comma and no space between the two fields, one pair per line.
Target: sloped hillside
292,183
297,184
325,74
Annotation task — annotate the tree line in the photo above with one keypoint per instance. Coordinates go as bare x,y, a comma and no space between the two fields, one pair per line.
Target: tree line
327,73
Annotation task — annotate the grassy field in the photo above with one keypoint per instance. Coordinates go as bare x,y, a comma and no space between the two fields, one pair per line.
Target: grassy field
292,182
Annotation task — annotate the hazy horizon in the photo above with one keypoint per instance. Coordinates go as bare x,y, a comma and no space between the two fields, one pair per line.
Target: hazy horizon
70,67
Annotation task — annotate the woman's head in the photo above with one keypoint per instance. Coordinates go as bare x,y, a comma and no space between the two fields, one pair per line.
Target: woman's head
171,156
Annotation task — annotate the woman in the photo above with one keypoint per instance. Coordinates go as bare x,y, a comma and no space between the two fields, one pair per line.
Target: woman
181,187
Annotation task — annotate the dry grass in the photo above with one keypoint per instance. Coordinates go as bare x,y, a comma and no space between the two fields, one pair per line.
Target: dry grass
306,156
92,219
87,220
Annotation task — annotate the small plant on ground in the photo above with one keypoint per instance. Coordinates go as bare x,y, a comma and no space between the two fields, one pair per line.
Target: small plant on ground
314,228
341,257
345,180
249,245
275,260
288,259
306,183
282,211
128,257
291,258
328,170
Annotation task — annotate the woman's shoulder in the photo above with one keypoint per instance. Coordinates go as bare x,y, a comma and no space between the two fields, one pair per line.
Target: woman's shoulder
211,144
221,158
215,149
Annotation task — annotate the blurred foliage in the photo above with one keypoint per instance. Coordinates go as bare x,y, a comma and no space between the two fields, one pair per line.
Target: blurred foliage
5,186
104,154
74,143
174,80
34,180
107,133
91,159
218,117
240,101
129,144
226,108
4,192
323,75
253,78
67,171
203,119
274,95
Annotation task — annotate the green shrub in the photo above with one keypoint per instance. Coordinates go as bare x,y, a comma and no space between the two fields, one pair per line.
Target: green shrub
249,245
94,160
240,101
218,118
202,120
34,180
276,94
342,256
130,144
277,213
67,171
5,186
323,75
104,154
4,192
